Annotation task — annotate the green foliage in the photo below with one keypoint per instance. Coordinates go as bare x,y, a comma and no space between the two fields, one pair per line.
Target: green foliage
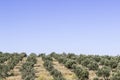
12,60
32,58
23,54
62,60
97,58
41,55
4,57
82,74
116,76
93,66
79,64
47,58
49,66
71,56
27,70
56,74
96,78
118,66
81,58
69,63
3,71
85,62
113,63
104,72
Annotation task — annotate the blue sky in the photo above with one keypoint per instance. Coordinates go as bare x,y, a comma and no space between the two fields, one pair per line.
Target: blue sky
79,26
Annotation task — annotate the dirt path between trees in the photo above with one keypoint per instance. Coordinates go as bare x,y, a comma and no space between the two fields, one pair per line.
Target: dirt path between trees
40,72
16,71
67,74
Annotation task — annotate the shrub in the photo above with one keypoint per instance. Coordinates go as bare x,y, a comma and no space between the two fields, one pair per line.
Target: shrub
69,63
78,71
93,66
104,72
85,62
3,71
81,58
97,58
27,69
96,78
84,75
116,76
113,63
49,66
71,56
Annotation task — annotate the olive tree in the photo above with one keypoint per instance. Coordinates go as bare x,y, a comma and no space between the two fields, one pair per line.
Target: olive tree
93,66
116,76
104,72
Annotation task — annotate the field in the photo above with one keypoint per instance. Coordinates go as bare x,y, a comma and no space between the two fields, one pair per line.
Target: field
14,66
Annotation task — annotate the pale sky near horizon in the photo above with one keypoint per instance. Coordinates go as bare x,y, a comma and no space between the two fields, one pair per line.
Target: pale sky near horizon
79,26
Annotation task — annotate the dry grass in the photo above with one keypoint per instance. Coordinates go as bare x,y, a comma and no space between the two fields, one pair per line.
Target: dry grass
16,72
92,75
40,72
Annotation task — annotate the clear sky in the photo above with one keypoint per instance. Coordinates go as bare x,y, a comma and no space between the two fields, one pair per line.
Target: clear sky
79,26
